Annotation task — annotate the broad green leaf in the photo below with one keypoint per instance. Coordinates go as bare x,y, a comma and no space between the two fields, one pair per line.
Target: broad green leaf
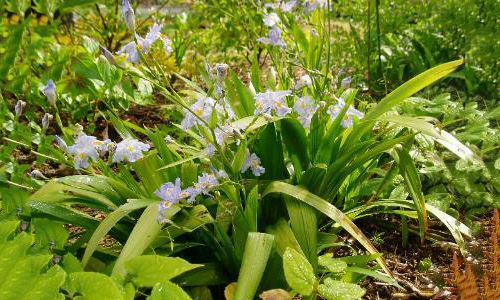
375,274
45,287
251,209
168,291
93,286
147,270
257,250
338,290
298,272
333,265
49,233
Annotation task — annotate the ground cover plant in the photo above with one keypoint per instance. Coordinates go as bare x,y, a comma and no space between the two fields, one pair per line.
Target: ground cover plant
243,149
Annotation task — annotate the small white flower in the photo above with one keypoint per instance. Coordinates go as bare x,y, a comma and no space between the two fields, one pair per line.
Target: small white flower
167,45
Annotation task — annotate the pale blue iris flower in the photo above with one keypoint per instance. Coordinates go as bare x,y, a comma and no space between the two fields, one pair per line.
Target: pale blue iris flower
305,108
210,149
268,101
252,161
170,193
129,150
87,147
347,120
288,6
226,132
202,108
46,120
108,55
346,82
167,45
311,5
18,109
274,38
152,36
61,143
271,19
303,81
50,92
128,14
284,6
169,140
130,50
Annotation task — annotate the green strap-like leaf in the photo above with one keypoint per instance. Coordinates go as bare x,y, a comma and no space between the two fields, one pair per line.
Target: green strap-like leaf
411,87
144,233
108,223
257,250
328,209
412,180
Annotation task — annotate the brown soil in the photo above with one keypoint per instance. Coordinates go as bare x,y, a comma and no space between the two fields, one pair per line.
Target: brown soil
437,282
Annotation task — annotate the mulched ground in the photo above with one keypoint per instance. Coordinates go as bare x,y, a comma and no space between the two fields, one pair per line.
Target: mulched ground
438,281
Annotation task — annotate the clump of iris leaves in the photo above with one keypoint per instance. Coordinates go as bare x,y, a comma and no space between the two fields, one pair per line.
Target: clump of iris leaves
246,190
